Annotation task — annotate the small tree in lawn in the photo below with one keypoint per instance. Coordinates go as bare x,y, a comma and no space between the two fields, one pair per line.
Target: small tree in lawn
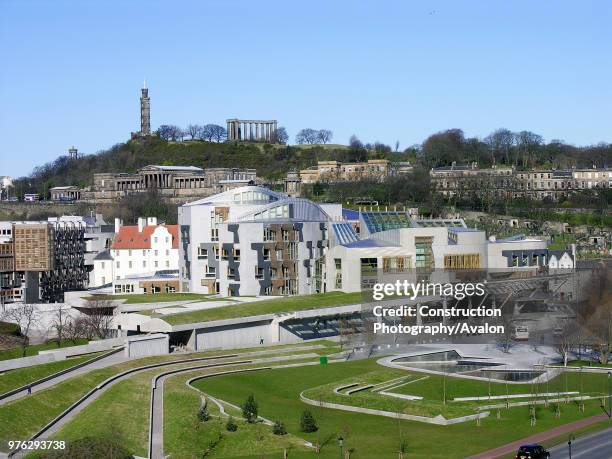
307,422
231,425
279,428
250,410
203,414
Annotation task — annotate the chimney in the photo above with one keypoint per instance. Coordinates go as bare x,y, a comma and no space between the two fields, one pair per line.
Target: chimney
118,224
141,224
152,221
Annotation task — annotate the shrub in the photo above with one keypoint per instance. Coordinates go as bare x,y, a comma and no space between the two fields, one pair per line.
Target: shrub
203,414
279,428
231,425
308,423
250,410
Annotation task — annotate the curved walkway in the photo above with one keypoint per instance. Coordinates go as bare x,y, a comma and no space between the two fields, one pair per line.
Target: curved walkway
54,425
156,417
108,359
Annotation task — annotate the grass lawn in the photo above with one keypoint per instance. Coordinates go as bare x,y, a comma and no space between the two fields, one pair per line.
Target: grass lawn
126,406
292,303
277,392
17,352
17,378
154,298
23,417
587,363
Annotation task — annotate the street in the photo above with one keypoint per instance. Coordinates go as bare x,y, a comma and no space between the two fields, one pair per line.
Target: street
593,446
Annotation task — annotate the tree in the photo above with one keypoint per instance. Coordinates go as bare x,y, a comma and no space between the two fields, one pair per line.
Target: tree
307,135
98,318
61,321
250,409
203,414
279,428
280,136
308,422
219,133
324,136
165,132
563,343
193,131
357,152
231,425
27,317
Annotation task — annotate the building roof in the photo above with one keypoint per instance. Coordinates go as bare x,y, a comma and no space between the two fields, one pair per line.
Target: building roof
174,168
129,237
369,243
383,221
350,215
104,255
67,187
344,233
246,195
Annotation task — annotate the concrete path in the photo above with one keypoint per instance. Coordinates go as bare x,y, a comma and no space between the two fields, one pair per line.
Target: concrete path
594,446
110,360
540,437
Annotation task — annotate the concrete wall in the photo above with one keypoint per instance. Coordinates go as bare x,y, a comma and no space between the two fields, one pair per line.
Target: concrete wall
238,335
147,345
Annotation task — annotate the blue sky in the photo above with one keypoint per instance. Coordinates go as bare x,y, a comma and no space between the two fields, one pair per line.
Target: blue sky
384,70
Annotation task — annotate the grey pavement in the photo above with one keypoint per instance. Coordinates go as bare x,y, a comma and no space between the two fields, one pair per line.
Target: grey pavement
594,446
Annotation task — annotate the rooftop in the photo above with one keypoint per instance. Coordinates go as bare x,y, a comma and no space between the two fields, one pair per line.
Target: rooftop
130,238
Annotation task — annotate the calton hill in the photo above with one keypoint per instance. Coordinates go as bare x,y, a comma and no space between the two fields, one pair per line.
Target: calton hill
521,150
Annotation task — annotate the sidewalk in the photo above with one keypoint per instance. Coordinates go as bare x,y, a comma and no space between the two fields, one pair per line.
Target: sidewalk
537,438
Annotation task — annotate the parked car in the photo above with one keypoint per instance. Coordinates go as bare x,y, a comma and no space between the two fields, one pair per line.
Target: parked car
532,452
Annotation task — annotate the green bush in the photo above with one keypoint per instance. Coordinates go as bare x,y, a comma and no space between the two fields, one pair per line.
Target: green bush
307,422
250,409
203,414
231,425
279,428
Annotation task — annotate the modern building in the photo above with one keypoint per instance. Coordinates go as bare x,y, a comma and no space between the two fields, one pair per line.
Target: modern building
252,241
140,251
40,260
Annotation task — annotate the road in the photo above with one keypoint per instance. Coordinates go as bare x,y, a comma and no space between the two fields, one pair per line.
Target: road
593,446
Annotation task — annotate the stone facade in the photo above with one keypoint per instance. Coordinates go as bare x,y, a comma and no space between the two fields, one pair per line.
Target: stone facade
252,130
176,182
336,171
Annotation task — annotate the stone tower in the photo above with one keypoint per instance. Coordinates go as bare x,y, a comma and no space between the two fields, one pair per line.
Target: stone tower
145,111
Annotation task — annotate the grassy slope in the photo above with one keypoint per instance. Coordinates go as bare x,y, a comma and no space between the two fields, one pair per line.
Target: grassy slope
17,352
29,414
294,303
16,378
371,436
157,298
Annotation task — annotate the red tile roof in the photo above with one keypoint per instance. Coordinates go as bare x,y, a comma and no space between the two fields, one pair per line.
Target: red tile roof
129,237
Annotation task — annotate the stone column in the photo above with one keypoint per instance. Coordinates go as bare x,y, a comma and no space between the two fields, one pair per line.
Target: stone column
228,131
256,131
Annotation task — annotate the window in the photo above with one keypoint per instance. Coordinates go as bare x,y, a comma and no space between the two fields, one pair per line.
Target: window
144,263
102,265
369,266
224,254
144,252
156,263
279,254
285,235
167,240
156,253
214,234
130,253
465,261
266,254
231,272
259,272
269,235
118,264
167,252
155,240
424,253
216,253
202,253
129,264
103,280
236,254
211,271
396,264
167,264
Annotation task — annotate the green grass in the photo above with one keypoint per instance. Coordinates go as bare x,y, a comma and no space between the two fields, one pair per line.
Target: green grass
293,303
277,393
17,352
21,418
17,378
154,298
586,363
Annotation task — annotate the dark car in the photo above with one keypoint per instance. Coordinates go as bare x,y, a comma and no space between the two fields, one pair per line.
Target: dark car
532,452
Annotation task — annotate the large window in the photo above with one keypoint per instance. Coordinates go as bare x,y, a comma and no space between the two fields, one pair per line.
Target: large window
396,264
424,253
463,261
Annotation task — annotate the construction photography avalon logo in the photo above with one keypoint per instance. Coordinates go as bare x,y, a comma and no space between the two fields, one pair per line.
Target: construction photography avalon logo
305,230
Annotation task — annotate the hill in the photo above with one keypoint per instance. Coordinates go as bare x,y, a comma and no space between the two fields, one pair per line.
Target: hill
271,161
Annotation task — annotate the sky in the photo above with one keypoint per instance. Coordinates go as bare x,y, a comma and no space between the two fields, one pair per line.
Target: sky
71,71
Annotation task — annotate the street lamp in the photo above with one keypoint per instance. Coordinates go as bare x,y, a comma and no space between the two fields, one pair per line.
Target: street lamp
340,444
569,445
609,410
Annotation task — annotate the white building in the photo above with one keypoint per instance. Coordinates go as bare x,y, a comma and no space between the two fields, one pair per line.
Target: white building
252,241
137,251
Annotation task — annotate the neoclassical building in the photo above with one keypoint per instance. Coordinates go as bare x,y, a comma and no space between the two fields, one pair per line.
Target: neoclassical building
169,181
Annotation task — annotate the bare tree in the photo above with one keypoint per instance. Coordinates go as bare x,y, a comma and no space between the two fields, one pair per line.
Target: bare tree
193,130
60,323
563,339
27,317
76,329
280,136
505,340
324,135
98,318
307,135
219,133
